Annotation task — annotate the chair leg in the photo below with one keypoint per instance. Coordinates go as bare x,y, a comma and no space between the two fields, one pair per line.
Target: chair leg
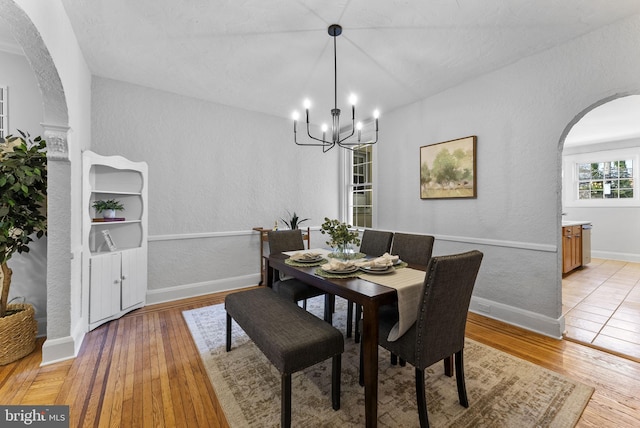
394,359
285,400
336,367
402,362
448,366
349,317
304,304
462,389
228,332
421,398
358,317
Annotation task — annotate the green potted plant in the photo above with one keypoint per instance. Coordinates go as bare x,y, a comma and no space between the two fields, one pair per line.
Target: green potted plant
342,237
294,221
108,208
23,190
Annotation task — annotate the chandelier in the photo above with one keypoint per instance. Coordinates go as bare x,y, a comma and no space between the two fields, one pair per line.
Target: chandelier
336,138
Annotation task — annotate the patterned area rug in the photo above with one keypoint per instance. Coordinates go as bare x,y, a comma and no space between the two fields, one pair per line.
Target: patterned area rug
503,391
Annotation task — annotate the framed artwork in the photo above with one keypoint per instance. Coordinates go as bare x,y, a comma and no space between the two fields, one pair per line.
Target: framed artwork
109,240
448,169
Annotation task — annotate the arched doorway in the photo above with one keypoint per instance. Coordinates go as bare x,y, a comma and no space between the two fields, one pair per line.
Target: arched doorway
601,299
55,125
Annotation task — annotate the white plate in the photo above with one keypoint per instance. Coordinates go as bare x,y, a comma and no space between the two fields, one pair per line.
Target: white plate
378,271
307,260
349,270
368,268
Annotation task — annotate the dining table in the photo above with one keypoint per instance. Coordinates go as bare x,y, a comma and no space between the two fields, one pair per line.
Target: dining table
370,295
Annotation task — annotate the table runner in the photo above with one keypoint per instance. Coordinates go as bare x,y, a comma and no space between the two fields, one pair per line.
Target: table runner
408,284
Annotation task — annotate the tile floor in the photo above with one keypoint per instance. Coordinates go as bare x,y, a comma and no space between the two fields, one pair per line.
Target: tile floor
601,304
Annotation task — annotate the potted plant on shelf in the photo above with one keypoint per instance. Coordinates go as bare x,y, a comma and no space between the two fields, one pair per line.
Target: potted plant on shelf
108,208
342,237
294,221
23,190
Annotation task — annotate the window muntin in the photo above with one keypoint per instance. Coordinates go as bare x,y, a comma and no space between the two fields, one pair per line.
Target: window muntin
605,180
360,189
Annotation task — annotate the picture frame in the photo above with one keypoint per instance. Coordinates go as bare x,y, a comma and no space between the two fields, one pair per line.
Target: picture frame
448,169
109,240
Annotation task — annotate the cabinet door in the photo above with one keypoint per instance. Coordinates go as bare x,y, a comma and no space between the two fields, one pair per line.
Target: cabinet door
134,277
576,251
567,247
104,289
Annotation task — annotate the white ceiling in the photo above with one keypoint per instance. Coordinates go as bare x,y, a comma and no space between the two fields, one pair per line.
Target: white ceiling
268,55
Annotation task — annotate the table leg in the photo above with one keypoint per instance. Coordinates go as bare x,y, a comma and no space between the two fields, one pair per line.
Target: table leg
269,273
370,362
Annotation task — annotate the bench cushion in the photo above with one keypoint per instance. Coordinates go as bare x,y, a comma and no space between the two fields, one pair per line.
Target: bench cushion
290,337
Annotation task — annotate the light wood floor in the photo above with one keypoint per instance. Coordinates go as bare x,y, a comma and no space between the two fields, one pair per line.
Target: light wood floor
601,304
144,370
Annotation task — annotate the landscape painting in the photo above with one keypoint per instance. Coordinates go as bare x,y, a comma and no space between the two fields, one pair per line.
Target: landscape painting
448,169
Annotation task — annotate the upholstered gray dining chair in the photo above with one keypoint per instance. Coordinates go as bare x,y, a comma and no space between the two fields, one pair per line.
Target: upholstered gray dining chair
293,289
440,327
413,249
374,243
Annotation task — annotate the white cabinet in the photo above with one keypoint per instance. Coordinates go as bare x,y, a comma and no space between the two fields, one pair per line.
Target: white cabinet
114,251
116,280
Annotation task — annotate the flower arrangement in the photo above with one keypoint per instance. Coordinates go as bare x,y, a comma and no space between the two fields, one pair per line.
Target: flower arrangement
341,234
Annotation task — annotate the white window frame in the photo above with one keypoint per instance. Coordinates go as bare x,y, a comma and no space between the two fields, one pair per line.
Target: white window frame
367,185
4,108
570,178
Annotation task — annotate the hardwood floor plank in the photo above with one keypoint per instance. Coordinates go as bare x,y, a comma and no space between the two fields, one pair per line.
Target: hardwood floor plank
150,353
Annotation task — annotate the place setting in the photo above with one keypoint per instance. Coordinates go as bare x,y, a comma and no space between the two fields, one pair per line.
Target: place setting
382,265
338,269
306,259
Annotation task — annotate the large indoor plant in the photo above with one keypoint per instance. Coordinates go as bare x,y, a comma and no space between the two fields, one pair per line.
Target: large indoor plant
342,237
23,190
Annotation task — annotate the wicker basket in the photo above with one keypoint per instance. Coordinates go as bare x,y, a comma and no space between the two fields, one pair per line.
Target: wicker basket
17,333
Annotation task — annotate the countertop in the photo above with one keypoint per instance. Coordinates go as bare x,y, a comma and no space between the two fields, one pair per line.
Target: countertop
574,223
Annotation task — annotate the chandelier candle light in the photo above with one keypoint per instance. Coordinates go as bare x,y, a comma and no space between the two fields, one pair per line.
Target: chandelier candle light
334,31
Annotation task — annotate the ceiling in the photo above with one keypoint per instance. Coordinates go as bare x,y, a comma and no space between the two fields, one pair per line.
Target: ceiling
268,55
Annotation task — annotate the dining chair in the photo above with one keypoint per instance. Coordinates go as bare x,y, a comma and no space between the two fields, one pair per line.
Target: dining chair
439,330
415,250
374,243
292,288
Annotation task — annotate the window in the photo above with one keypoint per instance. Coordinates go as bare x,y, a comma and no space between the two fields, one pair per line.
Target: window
602,179
360,204
605,180
3,112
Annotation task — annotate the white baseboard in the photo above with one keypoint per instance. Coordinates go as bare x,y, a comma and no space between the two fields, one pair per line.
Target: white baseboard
610,255
200,288
519,317
56,350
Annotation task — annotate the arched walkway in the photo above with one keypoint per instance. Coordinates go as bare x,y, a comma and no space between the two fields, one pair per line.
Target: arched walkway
55,124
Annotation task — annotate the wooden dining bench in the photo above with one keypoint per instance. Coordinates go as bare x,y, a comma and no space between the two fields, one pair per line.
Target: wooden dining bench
290,337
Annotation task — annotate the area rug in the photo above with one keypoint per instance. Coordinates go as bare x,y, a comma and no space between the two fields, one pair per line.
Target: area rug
503,391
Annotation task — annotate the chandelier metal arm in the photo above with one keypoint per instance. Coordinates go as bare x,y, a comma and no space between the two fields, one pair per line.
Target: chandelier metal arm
334,31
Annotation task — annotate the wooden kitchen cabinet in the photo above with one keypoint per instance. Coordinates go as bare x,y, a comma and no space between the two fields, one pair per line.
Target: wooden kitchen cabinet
571,248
